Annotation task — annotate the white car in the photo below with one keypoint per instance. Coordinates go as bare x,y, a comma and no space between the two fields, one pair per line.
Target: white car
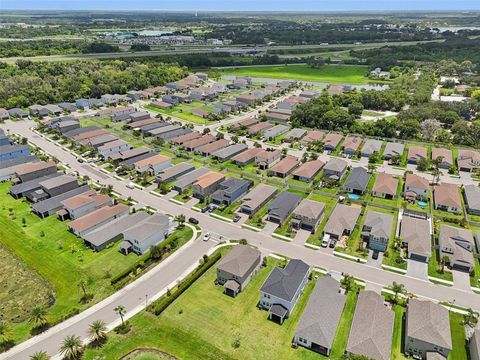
206,237
130,185
325,240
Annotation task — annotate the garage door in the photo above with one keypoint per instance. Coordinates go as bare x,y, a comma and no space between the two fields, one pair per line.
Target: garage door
307,227
418,257
461,268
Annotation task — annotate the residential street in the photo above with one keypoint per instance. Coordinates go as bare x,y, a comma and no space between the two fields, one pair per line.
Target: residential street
167,272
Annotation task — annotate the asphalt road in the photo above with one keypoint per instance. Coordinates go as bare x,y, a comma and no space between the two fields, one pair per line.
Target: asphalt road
132,296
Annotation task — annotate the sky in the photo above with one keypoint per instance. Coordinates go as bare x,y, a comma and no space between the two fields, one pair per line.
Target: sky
242,5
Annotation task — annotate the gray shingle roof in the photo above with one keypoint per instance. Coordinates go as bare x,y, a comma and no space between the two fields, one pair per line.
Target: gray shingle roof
472,196
32,184
173,171
6,149
322,315
227,187
56,202
284,283
457,244
258,195
229,151
392,149
336,165
372,327
239,260
429,322
146,228
283,204
358,179
343,217
371,145
416,233
380,223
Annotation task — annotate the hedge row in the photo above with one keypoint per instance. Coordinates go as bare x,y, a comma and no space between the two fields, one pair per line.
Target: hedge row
158,306
137,264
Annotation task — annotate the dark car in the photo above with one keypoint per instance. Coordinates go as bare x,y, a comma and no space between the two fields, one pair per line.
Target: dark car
205,209
236,218
333,242
80,160
193,221
375,255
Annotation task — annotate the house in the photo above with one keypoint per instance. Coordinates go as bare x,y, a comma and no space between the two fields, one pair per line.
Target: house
237,268
266,158
415,234
335,89
25,188
84,203
196,143
342,221
98,141
8,167
357,181
313,136
257,198
173,133
162,105
8,152
415,187
130,163
187,180
377,230
4,140
372,327
246,156
310,94
447,198
244,123
331,141
308,170
319,322
113,147
207,184
230,191
17,113
153,164
371,146
201,113
38,110
335,169
474,345
295,135
145,234
35,170
128,154
275,131
276,117
89,134
259,128
208,149
445,154
4,115
415,153
284,167
248,100
427,329
68,106
282,206
139,115
174,172
82,130
308,214
351,144
164,130
97,218
393,149
51,205
385,186
281,290
472,199
468,160
180,140
53,187
136,95
458,245
228,152
67,125
53,109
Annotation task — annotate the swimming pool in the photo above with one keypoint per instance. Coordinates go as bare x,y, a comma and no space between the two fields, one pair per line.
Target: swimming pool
353,196
422,203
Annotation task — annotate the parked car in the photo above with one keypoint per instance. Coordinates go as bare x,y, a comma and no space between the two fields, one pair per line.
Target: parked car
130,185
375,255
206,237
325,240
193,221
236,218
80,160
205,209
333,242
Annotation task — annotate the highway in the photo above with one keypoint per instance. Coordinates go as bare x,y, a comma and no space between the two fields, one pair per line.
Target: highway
132,296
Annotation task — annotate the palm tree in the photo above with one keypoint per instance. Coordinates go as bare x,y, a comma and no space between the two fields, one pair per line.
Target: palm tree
180,219
4,331
347,282
83,285
445,261
72,347
39,355
121,311
38,316
470,318
397,289
97,331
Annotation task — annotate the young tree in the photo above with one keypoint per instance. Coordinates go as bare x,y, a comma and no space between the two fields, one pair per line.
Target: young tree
348,282
445,261
72,347
38,316
470,318
180,219
97,331
397,289
121,311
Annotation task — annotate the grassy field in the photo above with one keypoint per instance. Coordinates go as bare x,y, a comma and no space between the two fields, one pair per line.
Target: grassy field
59,258
204,324
328,73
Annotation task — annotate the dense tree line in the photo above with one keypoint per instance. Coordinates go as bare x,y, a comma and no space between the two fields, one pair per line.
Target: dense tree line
53,47
458,49
28,82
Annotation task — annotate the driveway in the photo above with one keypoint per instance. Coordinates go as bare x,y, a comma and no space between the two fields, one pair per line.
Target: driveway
417,269
243,217
170,195
376,263
192,202
269,227
461,280
301,236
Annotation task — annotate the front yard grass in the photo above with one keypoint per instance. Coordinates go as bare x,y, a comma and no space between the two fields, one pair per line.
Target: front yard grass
59,257
459,341
228,211
204,323
398,337
434,267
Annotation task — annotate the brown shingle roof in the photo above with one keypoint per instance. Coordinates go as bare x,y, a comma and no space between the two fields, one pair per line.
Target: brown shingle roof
309,168
285,165
417,152
31,167
386,184
209,179
352,142
208,148
447,194
442,152
332,139
313,135
247,155
205,139
95,217
416,181
187,137
151,161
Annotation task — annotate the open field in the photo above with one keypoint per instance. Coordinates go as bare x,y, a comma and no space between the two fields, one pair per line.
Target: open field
328,73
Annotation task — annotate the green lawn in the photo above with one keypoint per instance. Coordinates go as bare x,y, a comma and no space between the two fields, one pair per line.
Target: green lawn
327,73
398,334
59,257
329,205
459,341
341,337
434,267
204,323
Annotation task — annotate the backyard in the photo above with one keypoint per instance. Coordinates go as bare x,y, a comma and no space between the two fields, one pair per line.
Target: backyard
329,73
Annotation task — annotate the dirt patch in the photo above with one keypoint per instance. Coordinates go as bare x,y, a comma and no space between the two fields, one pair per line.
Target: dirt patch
148,354
22,288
